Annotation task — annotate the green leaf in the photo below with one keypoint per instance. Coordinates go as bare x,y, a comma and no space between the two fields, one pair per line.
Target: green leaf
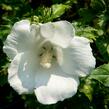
6,7
103,46
101,74
98,5
87,15
88,32
86,88
59,9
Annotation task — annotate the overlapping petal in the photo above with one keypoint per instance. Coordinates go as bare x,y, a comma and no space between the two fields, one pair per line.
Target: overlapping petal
51,85
78,58
59,33
22,72
19,40
58,87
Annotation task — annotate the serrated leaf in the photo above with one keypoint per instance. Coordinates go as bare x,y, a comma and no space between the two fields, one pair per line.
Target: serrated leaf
101,74
88,32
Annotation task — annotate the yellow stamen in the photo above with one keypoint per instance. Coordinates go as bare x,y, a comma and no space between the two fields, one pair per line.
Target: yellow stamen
46,58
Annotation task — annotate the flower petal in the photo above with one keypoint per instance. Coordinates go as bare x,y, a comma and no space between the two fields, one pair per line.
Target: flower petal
19,39
78,58
35,32
58,87
22,72
59,33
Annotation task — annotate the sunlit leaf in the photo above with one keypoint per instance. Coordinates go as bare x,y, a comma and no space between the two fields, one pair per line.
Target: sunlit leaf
59,9
6,7
87,89
88,32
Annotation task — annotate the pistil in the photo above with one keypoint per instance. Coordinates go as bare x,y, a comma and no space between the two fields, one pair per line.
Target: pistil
46,57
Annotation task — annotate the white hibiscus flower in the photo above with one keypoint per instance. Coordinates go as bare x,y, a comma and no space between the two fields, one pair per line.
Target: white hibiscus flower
47,59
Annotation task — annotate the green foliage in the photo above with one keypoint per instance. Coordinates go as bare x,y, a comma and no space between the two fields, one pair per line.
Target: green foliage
87,31
59,9
87,15
86,88
101,74
98,5
45,14
103,45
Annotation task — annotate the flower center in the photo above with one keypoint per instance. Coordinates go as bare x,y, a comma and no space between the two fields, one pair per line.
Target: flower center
46,56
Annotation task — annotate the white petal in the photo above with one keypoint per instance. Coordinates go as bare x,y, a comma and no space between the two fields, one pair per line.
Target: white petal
78,58
58,87
59,55
21,73
59,33
10,51
35,32
19,39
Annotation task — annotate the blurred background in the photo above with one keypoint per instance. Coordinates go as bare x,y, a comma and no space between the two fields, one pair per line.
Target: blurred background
90,19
